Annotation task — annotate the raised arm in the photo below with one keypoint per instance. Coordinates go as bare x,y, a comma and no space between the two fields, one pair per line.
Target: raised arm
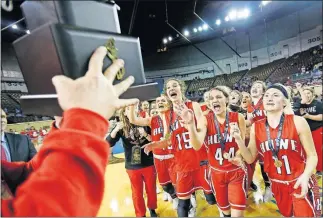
139,121
249,153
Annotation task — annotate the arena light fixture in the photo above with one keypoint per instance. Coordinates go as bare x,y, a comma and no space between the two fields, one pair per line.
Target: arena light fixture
227,18
14,26
205,26
194,30
246,13
218,22
200,28
28,31
243,14
170,38
186,33
264,3
233,15
164,40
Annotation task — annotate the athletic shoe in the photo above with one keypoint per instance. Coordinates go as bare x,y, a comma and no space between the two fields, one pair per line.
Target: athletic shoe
193,201
175,203
153,213
268,194
192,212
165,196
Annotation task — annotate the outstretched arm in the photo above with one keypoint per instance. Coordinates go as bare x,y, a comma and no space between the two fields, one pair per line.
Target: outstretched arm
139,121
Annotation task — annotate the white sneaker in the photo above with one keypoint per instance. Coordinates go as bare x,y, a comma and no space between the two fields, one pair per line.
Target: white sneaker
220,212
193,201
169,198
165,196
259,198
157,190
175,203
268,194
192,212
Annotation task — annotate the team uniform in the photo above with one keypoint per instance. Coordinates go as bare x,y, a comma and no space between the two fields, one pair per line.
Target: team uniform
258,113
292,159
143,114
190,175
315,108
204,108
164,160
228,180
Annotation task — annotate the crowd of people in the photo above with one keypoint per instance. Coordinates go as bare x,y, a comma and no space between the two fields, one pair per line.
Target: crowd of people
188,146
214,147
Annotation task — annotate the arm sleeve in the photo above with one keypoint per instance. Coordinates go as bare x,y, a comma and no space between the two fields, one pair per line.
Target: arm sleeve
112,141
70,179
31,148
319,107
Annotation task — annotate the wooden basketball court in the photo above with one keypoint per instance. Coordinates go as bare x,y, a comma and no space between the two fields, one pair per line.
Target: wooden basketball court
117,201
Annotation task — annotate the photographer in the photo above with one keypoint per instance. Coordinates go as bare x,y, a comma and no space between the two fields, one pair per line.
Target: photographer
139,166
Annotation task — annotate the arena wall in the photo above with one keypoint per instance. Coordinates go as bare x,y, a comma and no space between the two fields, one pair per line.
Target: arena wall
277,39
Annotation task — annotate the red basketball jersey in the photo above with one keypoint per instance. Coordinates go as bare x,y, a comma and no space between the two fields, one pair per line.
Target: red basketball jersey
291,152
258,111
157,131
204,108
186,158
213,146
143,114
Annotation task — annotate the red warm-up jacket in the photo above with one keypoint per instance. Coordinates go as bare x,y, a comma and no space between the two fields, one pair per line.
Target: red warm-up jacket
66,177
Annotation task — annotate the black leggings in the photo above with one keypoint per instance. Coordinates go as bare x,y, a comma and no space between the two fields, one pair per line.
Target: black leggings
264,175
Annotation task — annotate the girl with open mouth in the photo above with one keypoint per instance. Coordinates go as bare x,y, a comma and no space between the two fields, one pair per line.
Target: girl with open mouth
221,135
191,169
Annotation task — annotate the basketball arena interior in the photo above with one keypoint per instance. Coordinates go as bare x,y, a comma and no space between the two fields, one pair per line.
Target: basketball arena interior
223,115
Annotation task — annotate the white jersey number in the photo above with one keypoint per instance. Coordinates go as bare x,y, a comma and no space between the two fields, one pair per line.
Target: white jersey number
219,155
186,140
286,164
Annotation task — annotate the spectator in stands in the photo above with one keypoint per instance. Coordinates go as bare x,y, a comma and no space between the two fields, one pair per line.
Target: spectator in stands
15,147
312,111
71,165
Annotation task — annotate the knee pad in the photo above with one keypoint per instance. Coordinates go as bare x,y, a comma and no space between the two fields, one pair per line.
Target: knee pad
183,207
210,198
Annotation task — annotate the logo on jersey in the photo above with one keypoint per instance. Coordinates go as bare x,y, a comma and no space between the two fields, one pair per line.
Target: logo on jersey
285,144
176,125
157,131
310,109
258,113
215,139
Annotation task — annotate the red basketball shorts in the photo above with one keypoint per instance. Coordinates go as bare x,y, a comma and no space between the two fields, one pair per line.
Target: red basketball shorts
164,165
290,206
230,188
189,182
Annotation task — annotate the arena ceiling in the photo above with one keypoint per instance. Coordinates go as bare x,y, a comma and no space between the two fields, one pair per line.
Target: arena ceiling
150,26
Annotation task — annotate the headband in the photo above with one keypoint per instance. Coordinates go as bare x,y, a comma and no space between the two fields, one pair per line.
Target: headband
280,88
